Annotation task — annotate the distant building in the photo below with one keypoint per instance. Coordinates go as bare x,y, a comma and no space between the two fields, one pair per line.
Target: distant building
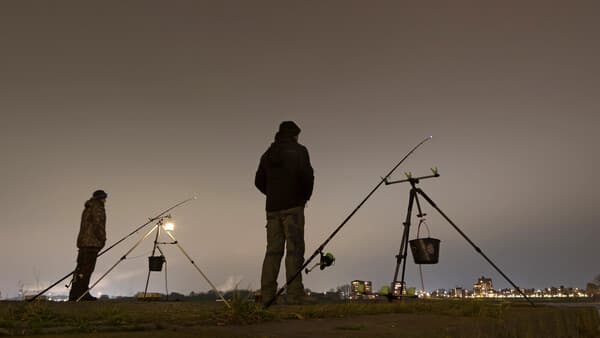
458,292
360,289
149,296
483,287
30,297
439,293
397,287
357,289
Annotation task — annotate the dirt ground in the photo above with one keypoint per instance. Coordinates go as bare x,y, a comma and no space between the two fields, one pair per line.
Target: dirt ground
371,326
384,325
189,319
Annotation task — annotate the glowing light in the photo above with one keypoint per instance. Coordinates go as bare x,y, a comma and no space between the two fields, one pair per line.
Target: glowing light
170,226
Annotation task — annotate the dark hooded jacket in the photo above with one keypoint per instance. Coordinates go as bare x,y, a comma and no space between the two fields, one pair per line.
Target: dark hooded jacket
92,232
285,174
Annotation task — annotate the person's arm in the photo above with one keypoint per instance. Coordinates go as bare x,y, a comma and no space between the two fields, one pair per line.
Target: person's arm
260,179
307,178
99,223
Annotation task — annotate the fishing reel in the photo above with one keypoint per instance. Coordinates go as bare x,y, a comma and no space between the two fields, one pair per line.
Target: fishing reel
326,260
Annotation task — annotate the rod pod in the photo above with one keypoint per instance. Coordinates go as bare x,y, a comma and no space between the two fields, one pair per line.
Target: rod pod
402,255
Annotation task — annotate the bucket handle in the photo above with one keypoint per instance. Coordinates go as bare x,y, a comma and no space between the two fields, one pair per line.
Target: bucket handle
423,221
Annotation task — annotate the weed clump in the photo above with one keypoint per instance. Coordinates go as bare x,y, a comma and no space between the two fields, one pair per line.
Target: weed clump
243,311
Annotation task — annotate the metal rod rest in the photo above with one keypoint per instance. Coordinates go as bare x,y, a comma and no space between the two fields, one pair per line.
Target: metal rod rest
416,179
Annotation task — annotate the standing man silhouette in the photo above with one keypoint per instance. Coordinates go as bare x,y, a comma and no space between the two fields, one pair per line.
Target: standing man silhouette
285,176
91,239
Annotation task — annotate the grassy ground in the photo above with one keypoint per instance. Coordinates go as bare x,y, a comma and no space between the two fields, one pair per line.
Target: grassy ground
412,318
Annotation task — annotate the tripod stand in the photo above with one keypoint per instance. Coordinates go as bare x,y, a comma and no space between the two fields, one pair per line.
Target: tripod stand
402,253
155,263
157,227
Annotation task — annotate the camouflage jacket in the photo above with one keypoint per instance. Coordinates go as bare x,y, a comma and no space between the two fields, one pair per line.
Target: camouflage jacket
92,232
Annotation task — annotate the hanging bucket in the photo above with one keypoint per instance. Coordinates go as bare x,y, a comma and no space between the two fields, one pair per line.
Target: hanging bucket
425,250
155,263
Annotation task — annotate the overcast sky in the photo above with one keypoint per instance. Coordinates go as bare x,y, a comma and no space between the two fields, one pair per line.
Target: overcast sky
157,101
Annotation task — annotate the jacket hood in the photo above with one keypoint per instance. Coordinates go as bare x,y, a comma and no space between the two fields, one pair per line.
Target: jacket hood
275,152
284,138
93,202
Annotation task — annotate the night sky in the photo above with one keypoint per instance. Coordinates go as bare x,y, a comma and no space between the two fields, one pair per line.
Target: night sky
156,102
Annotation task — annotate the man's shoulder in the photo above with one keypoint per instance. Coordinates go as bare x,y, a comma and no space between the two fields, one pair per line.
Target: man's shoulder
290,148
298,145
298,149
302,147
286,146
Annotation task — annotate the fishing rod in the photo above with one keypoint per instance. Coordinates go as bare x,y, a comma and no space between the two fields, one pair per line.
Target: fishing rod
319,250
150,220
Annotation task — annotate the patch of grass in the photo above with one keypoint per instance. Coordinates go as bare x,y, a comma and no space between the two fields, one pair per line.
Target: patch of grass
114,316
82,325
35,314
506,318
448,308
